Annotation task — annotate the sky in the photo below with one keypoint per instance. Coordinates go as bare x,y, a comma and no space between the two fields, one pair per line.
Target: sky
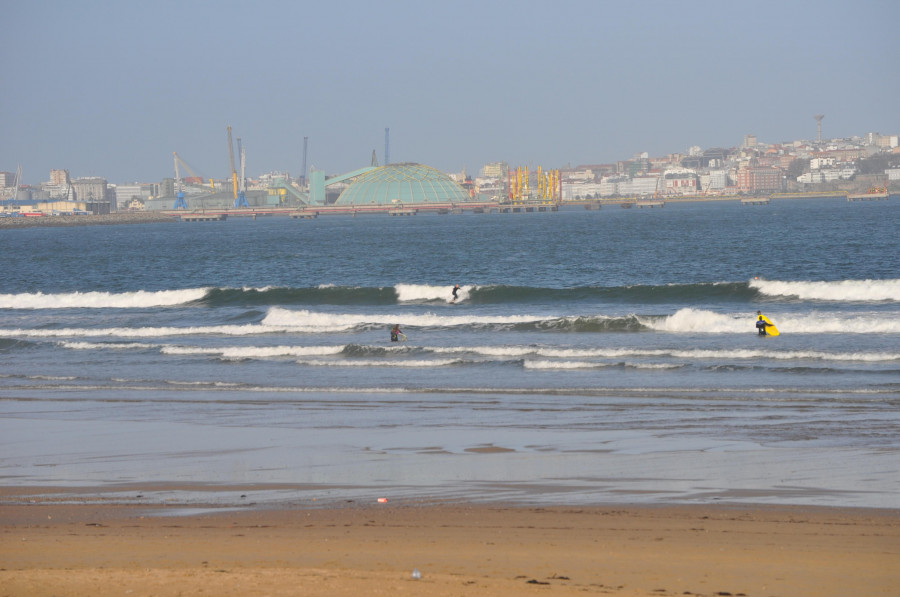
113,88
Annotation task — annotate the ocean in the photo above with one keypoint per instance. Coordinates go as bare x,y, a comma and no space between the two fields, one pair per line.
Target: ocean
593,357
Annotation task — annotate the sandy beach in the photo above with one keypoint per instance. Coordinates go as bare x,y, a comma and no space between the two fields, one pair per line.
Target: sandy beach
51,548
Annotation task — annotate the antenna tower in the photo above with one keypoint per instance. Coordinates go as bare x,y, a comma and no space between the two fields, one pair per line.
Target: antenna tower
387,146
819,118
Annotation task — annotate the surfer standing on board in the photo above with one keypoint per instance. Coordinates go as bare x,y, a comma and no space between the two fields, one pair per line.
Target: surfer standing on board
455,293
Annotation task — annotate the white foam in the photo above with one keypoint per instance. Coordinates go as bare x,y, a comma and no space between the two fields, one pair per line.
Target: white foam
101,300
379,363
336,322
425,292
534,364
254,352
563,365
693,354
148,332
844,290
106,345
700,321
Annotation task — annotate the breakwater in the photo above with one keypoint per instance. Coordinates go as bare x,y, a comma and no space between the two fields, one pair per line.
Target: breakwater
89,220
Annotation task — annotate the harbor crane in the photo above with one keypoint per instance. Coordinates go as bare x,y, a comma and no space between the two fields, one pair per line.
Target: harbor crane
180,202
240,200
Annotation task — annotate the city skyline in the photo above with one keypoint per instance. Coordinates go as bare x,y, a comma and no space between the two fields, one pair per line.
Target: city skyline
108,89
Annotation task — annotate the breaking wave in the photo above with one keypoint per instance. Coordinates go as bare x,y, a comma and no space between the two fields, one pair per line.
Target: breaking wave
702,321
102,300
841,291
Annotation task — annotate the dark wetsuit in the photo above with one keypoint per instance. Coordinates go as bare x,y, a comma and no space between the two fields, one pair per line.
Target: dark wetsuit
761,326
395,334
455,291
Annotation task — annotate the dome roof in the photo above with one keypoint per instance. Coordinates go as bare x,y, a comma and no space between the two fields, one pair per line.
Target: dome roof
402,183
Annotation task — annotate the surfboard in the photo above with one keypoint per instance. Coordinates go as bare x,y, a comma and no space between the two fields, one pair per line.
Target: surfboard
771,330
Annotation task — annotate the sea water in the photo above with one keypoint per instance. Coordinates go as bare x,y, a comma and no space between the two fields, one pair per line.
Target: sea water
592,357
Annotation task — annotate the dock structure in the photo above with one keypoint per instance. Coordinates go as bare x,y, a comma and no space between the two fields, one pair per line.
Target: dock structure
203,217
311,212
525,207
755,201
593,206
651,204
883,196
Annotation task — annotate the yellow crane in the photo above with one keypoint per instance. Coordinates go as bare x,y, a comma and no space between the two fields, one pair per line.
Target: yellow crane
240,199
234,176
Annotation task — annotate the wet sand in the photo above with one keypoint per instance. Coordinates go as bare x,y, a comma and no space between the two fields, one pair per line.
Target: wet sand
51,548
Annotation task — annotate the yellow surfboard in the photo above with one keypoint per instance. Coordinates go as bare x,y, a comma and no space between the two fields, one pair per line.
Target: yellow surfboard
771,330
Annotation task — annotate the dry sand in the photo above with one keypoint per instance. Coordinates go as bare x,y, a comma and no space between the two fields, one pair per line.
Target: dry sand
49,549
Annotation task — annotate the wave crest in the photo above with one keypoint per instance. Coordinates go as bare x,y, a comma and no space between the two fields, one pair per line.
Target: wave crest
841,291
102,300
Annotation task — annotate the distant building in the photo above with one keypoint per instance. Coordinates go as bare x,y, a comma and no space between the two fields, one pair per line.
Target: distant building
407,183
494,170
715,180
269,178
760,180
7,179
126,193
59,177
818,163
680,181
91,190
167,187
882,141
639,185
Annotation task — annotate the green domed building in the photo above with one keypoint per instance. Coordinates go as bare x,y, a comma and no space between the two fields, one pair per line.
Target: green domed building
402,184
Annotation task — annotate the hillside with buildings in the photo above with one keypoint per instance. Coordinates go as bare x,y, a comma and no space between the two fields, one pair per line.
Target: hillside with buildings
754,168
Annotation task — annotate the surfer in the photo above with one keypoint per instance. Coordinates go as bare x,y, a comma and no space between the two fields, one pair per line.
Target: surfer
761,323
455,293
396,332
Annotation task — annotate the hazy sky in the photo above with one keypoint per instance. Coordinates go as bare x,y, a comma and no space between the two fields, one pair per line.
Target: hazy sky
112,88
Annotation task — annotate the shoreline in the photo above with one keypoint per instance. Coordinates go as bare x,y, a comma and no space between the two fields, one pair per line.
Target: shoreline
163,217
89,220
499,550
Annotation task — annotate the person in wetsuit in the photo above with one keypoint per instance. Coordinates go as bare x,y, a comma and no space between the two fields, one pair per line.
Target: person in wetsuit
761,324
455,293
395,333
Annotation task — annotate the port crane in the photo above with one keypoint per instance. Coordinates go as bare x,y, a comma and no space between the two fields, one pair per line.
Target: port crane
180,203
240,199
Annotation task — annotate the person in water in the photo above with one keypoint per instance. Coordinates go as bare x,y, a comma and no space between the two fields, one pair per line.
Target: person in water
761,324
396,332
455,293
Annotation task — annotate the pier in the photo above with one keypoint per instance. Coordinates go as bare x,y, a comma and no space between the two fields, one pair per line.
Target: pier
651,204
312,212
203,217
755,201
882,196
